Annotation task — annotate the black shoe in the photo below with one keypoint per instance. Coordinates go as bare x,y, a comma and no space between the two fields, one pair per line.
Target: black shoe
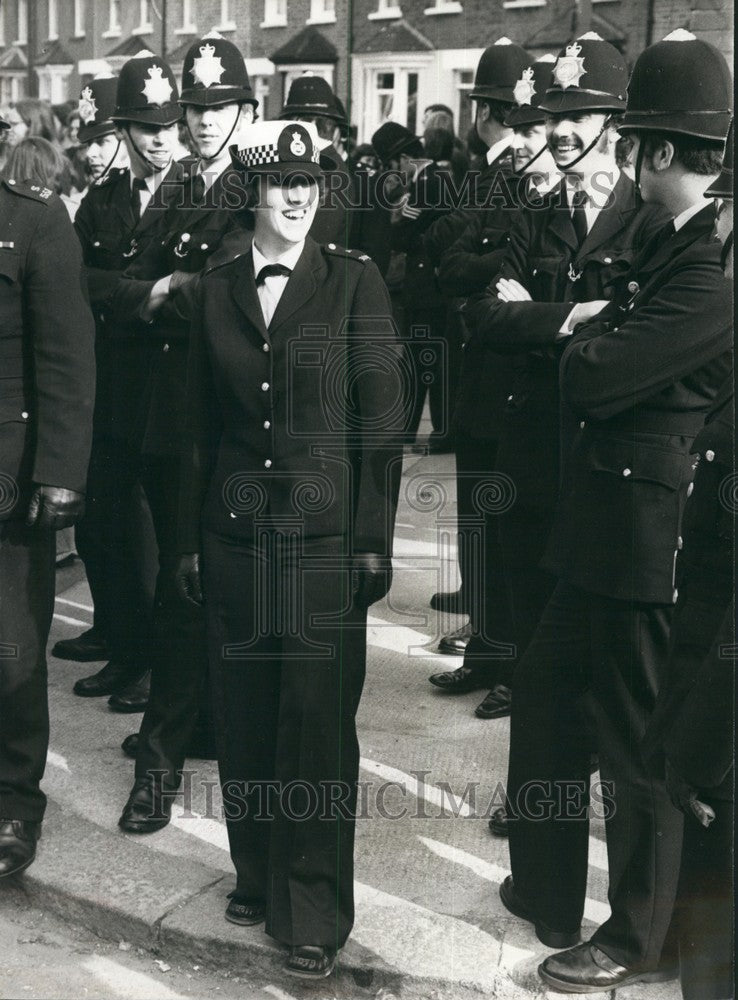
245,910
496,705
587,969
459,681
85,648
499,823
450,602
17,845
129,746
547,936
147,810
112,678
134,697
308,961
455,643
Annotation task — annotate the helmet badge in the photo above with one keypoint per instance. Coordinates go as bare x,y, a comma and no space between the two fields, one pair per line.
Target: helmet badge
207,69
87,108
297,146
524,88
157,89
569,68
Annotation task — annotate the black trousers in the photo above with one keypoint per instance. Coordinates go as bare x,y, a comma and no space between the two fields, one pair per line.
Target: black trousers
111,540
432,343
491,649
607,658
287,661
26,610
178,703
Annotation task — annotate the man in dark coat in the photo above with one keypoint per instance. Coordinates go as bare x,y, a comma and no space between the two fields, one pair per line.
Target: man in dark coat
116,221
47,358
639,378
156,294
289,489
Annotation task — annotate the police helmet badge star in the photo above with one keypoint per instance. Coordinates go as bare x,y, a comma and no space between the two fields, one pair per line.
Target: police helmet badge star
87,108
569,68
157,89
525,88
208,68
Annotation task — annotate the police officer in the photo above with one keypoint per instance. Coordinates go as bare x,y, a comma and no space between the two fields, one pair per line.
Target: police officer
466,268
204,213
289,496
106,154
46,403
639,378
311,99
115,222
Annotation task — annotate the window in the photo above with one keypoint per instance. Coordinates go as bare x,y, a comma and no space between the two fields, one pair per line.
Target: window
53,20
189,26
385,10
322,12
145,27
2,24
113,19
464,79
226,21
275,14
444,7
80,13
22,38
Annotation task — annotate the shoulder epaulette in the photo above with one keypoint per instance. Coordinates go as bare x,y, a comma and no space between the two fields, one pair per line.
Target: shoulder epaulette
114,174
33,191
336,251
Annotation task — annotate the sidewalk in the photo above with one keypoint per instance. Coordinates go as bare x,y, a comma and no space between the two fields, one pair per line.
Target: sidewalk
429,923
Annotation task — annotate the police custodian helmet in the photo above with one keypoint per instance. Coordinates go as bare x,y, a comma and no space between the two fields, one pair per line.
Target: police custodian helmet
214,72
312,95
722,186
589,75
96,107
147,92
499,69
279,149
528,92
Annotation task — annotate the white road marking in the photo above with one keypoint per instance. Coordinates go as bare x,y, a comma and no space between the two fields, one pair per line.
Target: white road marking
274,991
56,760
127,983
70,621
76,604
595,911
400,639
428,793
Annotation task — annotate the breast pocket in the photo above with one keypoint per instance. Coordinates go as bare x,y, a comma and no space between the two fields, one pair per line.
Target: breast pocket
9,266
545,278
613,267
106,250
636,464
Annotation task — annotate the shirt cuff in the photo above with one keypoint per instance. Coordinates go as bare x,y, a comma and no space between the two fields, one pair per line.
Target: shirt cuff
567,327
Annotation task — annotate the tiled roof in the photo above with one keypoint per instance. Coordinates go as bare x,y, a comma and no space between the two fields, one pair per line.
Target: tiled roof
397,36
309,46
54,55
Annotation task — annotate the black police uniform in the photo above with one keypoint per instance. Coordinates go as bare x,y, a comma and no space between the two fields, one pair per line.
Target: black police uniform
46,401
287,479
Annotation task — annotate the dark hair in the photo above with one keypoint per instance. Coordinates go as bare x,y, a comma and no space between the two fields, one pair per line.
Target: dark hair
439,144
324,125
497,109
39,117
37,161
438,107
696,155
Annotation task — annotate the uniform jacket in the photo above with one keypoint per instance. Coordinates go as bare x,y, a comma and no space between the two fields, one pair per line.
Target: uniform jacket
187,237
112,238
299,421
47,352
544,257
641,377
371,219
332,222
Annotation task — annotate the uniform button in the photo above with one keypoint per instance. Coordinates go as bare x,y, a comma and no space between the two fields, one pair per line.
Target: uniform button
268,463
265,348
680,543
582,424
11,181
24,415
265,387
96,243
676,595
203,246
233,515
510,399
421,264
267,424
690,489
633,287
710,455
608,260
615,329
331,246
626,472
165,348
535,271
485,240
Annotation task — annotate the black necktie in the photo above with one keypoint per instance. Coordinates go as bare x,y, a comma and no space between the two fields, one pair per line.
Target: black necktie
198,189
139,185
270,271
579,216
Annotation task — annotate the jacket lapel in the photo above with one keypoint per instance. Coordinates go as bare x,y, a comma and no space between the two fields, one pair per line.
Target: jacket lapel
699,226
121,202
612,218
154,209
301,285
558,220
243,289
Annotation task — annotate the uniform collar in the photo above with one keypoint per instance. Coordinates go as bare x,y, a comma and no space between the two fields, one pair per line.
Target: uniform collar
289,259
498,149
598,187
683,218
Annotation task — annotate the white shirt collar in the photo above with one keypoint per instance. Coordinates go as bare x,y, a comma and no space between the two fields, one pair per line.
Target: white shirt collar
289,259
598,187
683,218
152,181
497,149
212,169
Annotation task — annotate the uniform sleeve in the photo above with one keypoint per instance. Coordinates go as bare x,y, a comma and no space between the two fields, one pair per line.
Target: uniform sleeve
515,327
131,294
100,283
606,369
377,379
62,330
463,269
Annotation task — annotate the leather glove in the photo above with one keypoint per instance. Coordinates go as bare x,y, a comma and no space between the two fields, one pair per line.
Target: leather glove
187,578
371,578
684,797
55,507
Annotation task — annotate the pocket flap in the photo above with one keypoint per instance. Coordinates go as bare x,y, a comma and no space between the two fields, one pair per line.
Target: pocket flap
638,461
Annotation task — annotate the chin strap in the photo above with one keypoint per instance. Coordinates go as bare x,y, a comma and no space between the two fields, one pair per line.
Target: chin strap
154,166
637,169
110,163
726,251
533,159
208,159
591,146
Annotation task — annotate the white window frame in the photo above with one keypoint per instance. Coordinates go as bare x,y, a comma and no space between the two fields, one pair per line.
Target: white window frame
444,7
22,11
145,25
275,14
519,4
80,13
2,24
385,11
226,21
189,27
53,83
114,27
52,11
319,14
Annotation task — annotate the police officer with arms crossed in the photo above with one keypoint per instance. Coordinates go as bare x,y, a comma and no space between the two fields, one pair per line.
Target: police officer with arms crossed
47,358
289,494
156,292
116,221
640,377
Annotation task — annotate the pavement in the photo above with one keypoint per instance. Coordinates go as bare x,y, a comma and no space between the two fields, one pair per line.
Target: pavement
429,922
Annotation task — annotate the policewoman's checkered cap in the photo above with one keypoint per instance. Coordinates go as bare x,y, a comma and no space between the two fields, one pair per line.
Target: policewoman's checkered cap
279,148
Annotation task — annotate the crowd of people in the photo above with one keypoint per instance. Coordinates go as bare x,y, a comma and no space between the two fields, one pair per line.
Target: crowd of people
219,335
